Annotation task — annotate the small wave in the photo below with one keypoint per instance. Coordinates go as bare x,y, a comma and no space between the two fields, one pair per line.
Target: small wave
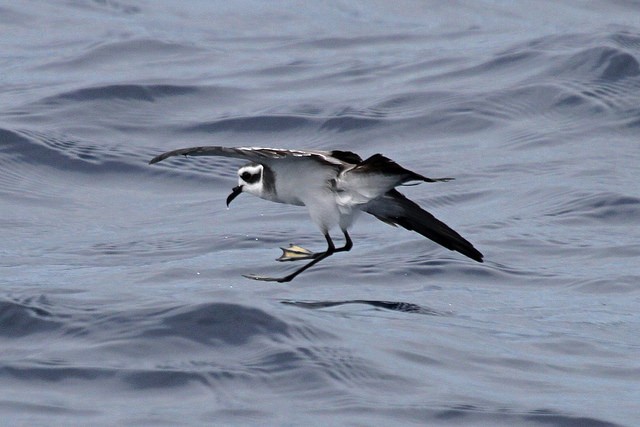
128,53
63,153
134,250
347,123
404,307
540,80
626,284
9,406
467,415
514,59
265,123
601,62
19,319
356,41
473,414
147,93
214,344
626,39
415,104
284,123
217,323
109,6
502,65
607,207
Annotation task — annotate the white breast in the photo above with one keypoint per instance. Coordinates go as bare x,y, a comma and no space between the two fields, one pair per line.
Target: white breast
300,182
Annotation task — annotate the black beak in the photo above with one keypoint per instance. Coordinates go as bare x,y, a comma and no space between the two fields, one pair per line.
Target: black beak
234,193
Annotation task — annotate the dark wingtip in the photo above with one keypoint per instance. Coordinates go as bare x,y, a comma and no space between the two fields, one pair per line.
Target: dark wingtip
476,255
185,152
466,248
156,159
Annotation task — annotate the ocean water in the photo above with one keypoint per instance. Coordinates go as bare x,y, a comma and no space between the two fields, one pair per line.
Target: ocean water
122,300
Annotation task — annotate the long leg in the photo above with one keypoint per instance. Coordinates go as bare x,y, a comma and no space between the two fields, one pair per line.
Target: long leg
348,244
331,249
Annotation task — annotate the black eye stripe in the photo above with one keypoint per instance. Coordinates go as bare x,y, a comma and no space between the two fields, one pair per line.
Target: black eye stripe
250,178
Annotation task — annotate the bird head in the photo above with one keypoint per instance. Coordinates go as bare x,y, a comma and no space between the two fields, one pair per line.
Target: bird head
249,181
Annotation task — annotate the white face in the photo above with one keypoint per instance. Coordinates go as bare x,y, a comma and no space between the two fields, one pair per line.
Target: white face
250,178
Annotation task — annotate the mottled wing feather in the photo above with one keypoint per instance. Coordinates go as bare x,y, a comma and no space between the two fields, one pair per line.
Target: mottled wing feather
256,154
346,156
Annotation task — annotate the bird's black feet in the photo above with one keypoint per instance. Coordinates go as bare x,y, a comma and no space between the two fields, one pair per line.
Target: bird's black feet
268,279
295,252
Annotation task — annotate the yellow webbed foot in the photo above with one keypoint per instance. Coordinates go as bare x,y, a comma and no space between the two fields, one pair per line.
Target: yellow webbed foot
295,253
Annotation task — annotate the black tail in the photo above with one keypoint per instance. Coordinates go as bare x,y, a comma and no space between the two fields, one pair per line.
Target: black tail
395,209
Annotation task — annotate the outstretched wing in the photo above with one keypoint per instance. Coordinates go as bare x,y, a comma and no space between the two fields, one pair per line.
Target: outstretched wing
385,167
395,209
260,155
373,178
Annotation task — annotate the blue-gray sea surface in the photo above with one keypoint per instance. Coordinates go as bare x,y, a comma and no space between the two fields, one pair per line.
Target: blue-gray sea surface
122,300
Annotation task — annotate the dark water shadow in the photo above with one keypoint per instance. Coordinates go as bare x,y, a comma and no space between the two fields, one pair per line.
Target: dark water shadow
405,307
474,415
22,318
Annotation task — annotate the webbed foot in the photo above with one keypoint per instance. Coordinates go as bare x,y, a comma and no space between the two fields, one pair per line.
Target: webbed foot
295,253
267,279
